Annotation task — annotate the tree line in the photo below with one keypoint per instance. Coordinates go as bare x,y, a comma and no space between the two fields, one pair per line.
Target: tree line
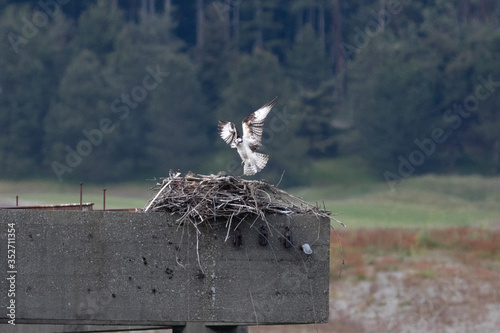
116,90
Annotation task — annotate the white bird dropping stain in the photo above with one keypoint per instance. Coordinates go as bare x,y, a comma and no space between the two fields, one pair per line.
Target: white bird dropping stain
213,296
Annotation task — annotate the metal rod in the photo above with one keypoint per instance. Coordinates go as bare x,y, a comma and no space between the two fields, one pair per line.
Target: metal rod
81,195
103,199
17,200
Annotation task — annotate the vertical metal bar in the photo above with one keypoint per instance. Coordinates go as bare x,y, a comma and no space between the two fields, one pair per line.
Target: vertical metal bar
17,200
103,199
81,195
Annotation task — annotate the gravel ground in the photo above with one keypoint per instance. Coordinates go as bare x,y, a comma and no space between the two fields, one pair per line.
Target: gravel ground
404,301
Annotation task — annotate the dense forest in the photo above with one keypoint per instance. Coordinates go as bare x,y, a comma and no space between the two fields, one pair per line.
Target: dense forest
121,90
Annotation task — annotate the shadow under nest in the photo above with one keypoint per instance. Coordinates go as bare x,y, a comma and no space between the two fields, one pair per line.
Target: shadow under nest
203,198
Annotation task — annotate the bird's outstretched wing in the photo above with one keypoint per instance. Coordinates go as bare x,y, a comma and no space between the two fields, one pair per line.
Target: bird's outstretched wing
228,132
253,125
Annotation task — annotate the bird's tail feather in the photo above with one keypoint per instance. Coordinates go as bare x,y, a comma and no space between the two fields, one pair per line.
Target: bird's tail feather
255,164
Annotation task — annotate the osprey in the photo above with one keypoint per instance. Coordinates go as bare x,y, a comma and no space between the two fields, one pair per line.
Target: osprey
248,144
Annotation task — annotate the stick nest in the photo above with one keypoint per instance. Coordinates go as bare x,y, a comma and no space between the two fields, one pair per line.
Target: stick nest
201,198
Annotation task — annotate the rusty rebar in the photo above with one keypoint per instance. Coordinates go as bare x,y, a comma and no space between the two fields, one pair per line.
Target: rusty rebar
81,195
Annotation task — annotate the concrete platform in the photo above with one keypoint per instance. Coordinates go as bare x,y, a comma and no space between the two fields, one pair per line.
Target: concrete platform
144,269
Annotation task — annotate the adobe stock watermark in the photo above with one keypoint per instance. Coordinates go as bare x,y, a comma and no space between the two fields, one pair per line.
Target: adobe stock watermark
121,108
40,18
278,122
454,116
374,27
11,278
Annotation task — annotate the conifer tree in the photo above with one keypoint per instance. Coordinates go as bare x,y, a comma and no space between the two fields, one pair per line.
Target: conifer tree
308,66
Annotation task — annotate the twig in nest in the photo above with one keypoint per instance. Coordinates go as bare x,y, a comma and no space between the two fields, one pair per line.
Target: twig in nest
200,198
159,192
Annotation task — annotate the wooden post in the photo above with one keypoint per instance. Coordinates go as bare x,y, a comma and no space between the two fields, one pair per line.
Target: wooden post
127,269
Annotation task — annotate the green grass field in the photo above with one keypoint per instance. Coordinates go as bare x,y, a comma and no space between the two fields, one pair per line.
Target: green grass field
127,195
344,186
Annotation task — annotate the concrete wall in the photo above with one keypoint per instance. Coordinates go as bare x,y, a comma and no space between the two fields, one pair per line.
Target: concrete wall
121,268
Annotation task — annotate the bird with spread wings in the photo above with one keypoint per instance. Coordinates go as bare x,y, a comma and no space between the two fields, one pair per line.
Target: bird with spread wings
248,144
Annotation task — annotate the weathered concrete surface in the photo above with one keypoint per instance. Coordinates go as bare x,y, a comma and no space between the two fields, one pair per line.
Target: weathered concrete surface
121,268
28,328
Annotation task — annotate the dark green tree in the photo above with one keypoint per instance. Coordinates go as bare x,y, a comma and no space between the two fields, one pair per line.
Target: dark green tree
179,122
395,94
480,62
98,27
27,80
79,131
411,89
167,129
217,54
308,67
139,69
263,26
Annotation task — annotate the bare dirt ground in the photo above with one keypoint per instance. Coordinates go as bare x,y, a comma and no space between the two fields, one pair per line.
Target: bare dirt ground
425,296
